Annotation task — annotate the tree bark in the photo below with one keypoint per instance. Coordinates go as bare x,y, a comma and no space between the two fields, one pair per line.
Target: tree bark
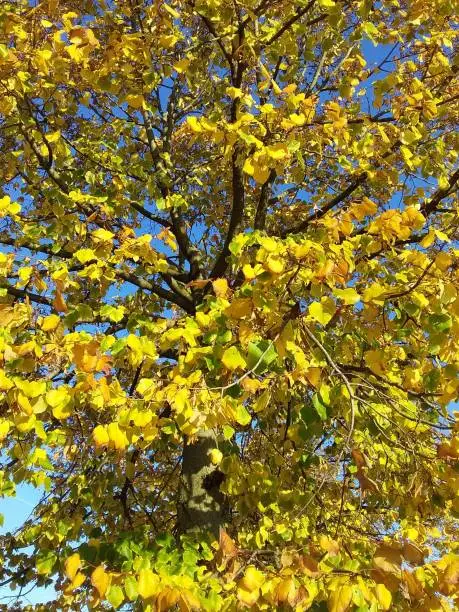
201,504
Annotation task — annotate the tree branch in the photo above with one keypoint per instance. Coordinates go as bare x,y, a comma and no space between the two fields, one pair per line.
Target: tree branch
293,20
431,206
237,211
260,214
326,207
33,297
165,294
177,298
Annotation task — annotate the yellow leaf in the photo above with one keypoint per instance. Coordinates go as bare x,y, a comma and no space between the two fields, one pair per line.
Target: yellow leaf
167,599
349,295
171,11
193,123
376,361
50,322
449,449
340,600
53,136
117,437
360,210
227,545
60,401
449,564
182,65
135,100
32,388
215,456
388,558
323,311
75,53
429,109
374,293
328,545
286,590
7,207
234,92
275,265
102,235
248,598
252,580
72,565
100,436
261,173
261,403
248,166
232,359
24,404
220,286
148,584
167,41
87,358
85,255
248,271
413,217
76,582
313,376
5,383
100,580
240,308
277,151
257,169
251,385
59,302
443,261
297,119
4,429
25,274
412,553
290,88
269,244
188,601
248,590
384,597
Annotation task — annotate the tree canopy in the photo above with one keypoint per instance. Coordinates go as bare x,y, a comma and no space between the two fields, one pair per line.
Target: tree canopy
229,302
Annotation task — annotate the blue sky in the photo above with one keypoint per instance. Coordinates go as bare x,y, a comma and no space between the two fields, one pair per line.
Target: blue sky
15,511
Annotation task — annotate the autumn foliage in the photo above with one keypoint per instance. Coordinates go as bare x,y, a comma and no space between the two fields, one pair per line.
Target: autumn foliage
229,303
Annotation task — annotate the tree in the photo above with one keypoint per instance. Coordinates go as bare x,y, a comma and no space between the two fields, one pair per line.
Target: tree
229,302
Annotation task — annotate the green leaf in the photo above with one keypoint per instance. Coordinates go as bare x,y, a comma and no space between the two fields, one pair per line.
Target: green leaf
432,379
321,401
164,540
323,311
115,596
131,588
349,295
439,322
234,391
228,432
45,562
308,415
114,313
232,359
242,416
262,353
411,308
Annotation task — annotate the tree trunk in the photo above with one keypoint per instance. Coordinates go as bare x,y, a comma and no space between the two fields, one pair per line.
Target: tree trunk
201,504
